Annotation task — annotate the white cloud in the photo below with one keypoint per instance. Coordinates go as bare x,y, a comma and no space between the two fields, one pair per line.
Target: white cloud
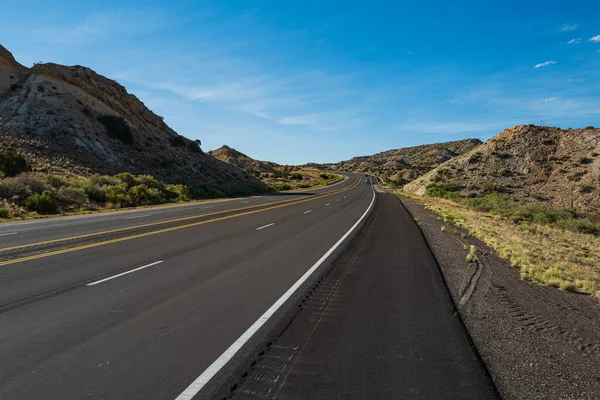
545,64
550,99
573,41
595,39
569,27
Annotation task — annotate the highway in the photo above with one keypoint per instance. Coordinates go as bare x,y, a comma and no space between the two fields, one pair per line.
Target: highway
181,302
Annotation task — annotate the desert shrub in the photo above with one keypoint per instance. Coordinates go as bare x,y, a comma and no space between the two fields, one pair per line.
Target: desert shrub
56,181
194,146
296,177
142,195
175,191
12,163
117,127
127,178
205,192
72,196
585,160
21,186
183,198
445,190
44,203
4,213
325,176
117,195
149,181
284,186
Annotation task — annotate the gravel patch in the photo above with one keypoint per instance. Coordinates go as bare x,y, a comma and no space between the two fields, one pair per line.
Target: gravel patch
537,342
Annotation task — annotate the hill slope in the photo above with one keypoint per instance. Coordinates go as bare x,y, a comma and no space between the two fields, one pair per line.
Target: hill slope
96,123
403,165
240,160
559,166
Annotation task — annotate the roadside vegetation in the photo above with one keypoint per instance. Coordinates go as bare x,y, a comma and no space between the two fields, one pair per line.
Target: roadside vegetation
550,246
285,178
27,191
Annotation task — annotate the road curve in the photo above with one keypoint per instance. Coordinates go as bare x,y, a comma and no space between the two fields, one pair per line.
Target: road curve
145,314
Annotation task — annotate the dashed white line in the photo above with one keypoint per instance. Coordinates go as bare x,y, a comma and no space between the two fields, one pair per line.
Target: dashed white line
123,273
204,208
326,204
139,216
9,233
201,381
306,212
338,200
266,226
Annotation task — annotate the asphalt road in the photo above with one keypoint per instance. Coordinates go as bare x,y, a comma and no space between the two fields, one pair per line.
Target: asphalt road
380,325
145,316
181,313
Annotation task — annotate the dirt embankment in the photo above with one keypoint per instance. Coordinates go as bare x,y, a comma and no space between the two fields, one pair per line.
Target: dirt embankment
538,342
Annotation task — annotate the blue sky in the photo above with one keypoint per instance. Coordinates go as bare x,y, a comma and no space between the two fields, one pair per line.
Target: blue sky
307,80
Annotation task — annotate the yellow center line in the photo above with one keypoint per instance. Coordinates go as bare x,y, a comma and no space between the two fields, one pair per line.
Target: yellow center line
103,243
87,235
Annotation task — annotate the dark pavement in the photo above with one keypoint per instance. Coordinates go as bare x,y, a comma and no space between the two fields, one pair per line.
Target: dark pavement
381,325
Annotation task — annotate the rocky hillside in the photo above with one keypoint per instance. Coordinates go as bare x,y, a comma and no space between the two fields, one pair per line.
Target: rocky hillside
94,122
403,165
240,160
549,164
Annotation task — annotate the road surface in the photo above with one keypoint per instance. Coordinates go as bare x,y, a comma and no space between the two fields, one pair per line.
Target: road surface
175,302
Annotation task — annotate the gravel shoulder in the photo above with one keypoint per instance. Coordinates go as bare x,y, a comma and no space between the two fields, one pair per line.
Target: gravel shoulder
537,342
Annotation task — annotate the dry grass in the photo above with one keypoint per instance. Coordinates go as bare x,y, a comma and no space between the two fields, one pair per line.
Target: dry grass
546,255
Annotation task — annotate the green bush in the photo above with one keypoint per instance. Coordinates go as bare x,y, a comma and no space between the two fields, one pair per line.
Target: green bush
127,179
142,195
296,177
12,163
43,204
445,190
4,213
117,127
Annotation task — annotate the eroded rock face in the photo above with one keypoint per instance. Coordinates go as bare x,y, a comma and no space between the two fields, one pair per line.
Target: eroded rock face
403,165
61,105
234,157
560,166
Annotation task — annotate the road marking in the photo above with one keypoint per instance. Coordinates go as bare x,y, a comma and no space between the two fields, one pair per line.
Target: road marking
195,387
123,273
266,226
275,204
306,212
205,208
326,204
139,216
245,202
174,228
9,233
338,200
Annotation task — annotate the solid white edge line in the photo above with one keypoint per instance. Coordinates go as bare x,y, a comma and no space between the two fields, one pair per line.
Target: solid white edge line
7,234
306,212
195,387
265,226
123,273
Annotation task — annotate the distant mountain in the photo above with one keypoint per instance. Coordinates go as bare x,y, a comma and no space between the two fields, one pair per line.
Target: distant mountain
240,160
403,165
94,122
550,164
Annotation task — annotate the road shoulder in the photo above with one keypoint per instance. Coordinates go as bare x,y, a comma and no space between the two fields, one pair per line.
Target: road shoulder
537,342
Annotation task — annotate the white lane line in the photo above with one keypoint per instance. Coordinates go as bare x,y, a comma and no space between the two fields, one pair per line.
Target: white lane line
266,226
204,208
9,233
338,200
306,212
139,216
245,202
123,273
326,204
220,362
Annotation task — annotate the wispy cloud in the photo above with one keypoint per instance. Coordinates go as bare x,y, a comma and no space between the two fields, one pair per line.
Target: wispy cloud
550,99
595,39
573,41
545,64
569,27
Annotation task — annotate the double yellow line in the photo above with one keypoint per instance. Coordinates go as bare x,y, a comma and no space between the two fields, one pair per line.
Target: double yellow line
270,206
